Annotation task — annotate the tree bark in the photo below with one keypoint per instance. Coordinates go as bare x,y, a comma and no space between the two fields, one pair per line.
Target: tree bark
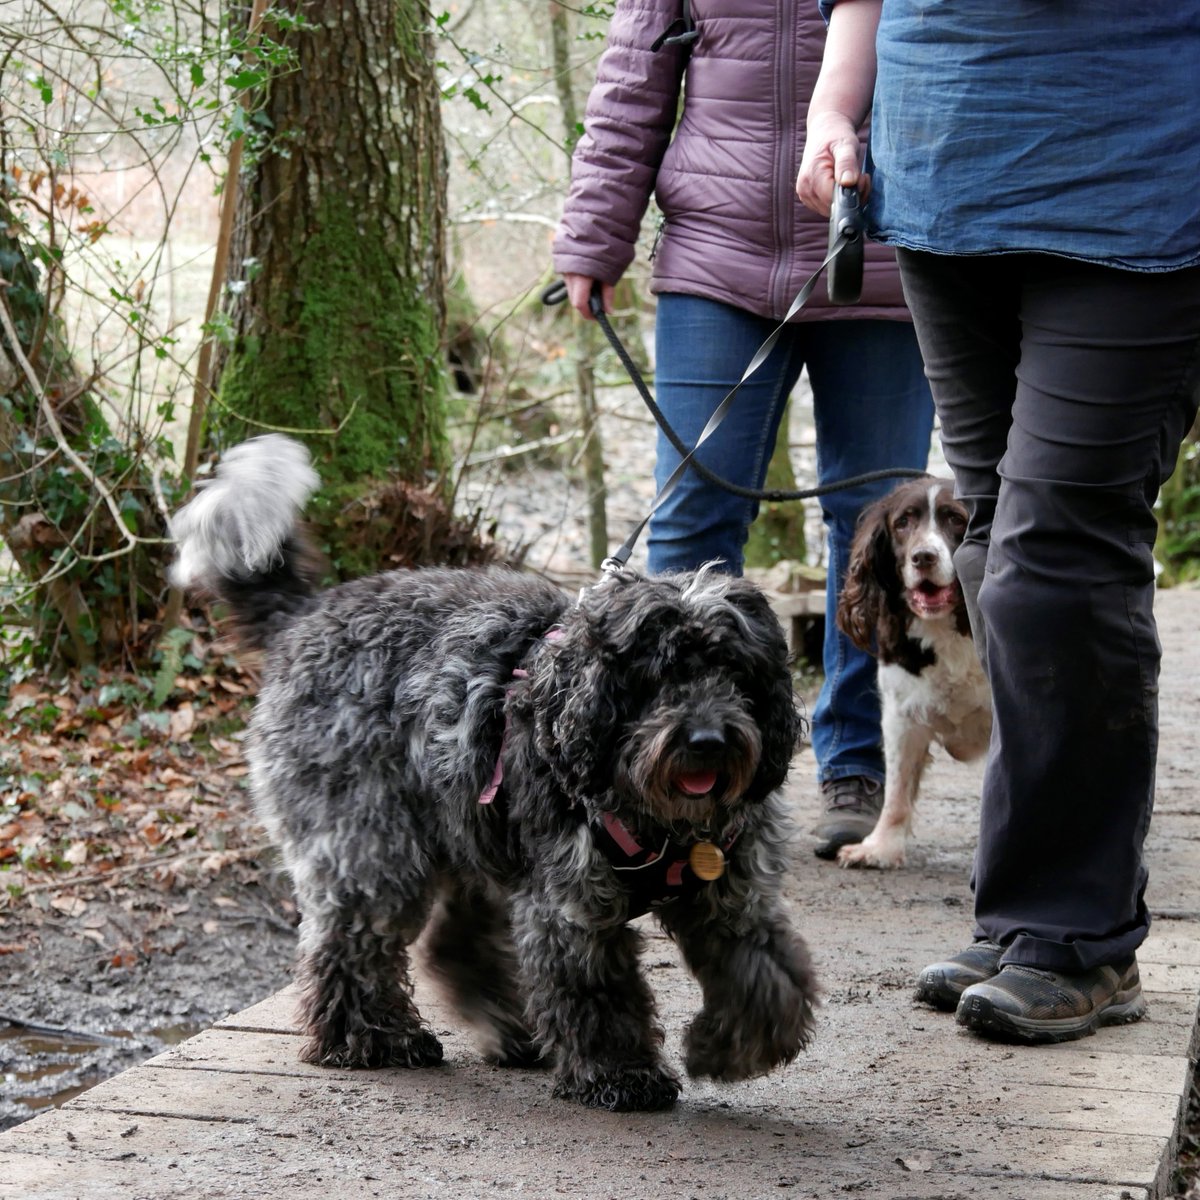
336,273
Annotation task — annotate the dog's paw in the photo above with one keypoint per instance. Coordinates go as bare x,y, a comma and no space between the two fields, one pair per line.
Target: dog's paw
519,1054
377,1048
729,1050
628,1089
881,855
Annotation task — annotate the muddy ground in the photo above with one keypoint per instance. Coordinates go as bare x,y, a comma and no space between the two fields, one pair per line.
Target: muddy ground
150,968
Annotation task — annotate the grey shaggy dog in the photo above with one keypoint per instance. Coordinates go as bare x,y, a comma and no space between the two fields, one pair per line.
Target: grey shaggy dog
648,716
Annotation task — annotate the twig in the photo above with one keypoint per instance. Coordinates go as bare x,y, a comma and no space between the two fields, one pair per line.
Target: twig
505,452
60,438
147,865
516,217
61,1031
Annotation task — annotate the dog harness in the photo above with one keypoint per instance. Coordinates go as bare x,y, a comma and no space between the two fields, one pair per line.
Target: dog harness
653,877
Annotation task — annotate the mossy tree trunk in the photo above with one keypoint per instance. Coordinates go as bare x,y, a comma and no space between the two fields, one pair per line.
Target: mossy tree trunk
778,530
337,268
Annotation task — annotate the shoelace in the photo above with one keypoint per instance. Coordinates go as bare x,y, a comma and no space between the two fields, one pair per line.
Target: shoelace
851,793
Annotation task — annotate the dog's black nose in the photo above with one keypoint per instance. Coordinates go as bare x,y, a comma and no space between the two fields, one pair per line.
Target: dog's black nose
703,740
923,559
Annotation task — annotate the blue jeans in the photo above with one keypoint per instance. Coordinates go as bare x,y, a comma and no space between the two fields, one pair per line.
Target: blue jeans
873,410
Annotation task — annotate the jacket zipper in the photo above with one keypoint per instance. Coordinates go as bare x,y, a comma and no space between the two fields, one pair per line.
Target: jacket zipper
784,165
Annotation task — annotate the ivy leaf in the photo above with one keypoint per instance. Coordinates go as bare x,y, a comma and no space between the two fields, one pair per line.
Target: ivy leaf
246,79
197,72
476,99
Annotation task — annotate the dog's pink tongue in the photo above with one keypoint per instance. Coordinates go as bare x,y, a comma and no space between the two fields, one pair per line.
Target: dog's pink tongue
697,783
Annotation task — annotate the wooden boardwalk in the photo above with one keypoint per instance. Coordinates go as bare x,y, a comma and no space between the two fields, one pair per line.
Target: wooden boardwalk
891,1101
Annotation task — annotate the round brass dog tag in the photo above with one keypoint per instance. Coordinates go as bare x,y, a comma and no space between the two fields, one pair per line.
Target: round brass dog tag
707,861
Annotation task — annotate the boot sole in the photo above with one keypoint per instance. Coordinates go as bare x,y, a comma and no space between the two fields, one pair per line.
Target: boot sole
978,1015
828,849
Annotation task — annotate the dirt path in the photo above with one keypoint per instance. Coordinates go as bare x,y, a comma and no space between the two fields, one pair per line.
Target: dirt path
891,1101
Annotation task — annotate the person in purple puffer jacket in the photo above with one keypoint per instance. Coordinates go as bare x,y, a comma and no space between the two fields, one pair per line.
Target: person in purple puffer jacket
734,249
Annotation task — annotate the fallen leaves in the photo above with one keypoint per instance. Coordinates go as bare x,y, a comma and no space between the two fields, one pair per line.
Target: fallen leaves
96,785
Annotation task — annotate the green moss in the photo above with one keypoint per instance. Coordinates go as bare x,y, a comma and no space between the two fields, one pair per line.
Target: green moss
351,352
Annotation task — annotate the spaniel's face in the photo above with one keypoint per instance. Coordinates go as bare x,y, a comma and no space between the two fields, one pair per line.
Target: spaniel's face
926,524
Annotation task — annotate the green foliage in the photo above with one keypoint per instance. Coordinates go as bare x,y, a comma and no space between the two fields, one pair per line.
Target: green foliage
1178,545
344,323
171,649
91,90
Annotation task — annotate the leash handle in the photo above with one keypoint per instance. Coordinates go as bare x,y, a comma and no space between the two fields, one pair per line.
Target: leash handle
845,278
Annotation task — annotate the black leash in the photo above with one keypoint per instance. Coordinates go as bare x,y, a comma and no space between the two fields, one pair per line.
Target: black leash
845,231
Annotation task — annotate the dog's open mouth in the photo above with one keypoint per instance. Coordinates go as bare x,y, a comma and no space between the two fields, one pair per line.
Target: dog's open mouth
696,783
928,599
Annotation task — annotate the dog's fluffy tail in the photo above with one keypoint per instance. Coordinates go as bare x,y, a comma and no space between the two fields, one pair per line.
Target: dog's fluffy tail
240,540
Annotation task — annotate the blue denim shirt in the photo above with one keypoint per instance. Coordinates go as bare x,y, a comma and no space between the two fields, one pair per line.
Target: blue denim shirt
1060,126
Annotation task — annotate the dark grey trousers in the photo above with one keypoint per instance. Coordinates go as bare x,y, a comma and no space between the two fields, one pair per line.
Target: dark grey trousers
1064,390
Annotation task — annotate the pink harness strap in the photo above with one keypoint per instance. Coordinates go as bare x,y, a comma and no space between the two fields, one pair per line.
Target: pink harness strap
490,792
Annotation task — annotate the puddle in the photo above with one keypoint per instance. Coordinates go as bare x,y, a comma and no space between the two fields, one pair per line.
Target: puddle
41,1068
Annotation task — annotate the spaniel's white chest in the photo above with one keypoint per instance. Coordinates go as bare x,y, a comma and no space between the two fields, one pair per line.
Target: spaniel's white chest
950,696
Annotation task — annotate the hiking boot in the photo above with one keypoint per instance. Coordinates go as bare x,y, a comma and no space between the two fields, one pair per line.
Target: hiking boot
852,807
943,983
1027,1004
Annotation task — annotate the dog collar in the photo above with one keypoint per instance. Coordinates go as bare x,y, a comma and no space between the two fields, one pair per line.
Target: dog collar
657,875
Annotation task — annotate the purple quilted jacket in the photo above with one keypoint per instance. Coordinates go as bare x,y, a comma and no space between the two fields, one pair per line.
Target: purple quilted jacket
734,230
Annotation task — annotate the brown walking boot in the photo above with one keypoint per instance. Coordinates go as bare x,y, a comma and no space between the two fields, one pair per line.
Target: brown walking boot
1028,1004
852,806
943,983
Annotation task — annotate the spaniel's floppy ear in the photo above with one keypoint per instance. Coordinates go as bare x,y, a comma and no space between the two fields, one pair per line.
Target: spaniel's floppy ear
871,578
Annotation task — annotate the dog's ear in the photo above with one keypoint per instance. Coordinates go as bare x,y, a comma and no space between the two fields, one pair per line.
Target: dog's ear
574,713
872,578
763,653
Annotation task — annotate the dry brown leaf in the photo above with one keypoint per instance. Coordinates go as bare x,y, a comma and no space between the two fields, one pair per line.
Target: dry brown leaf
183,721
69,906
76,853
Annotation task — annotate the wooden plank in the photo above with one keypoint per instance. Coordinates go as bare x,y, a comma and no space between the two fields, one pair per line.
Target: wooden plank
1177,945
363,1144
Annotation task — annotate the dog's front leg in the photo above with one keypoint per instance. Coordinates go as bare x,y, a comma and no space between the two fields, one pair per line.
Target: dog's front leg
757,981
906,751
591,1008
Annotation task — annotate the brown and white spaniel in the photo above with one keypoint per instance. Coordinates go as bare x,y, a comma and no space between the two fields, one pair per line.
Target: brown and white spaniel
902,602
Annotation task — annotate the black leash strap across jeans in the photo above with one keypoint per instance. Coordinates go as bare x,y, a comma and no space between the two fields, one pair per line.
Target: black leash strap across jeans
556,293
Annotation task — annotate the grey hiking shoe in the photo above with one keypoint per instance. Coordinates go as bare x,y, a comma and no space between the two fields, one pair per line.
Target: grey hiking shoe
943,983
1027,1004
852,807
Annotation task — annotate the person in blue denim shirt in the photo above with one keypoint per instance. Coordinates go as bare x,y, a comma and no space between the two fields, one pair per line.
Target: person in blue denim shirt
734,251
1037,169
